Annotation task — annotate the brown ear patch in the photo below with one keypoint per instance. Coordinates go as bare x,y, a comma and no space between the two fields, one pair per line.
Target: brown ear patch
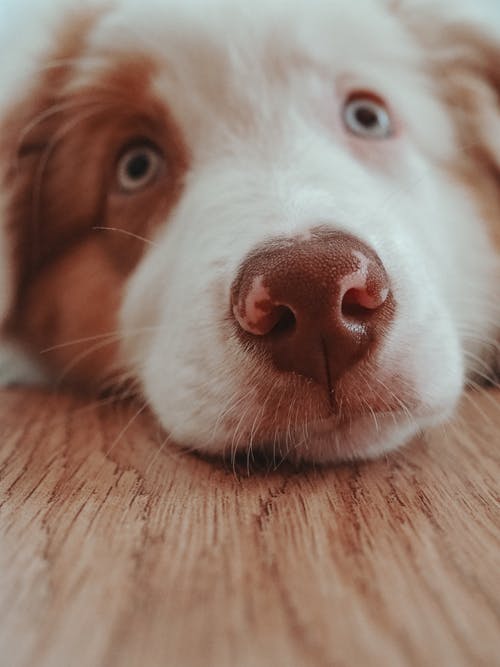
472,92
466,66
470,84
61,146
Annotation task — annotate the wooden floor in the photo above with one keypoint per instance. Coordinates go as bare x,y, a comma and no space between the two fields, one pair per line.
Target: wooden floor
115,553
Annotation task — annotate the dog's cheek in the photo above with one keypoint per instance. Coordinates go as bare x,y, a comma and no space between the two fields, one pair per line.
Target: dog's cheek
422,351
190,380
6,269
175,334
69,312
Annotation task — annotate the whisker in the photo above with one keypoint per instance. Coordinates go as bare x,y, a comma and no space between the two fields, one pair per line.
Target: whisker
51,111
258,419
476,405
229,407
124,430
125,232
81,357
158,453
117,334
42,167
79,341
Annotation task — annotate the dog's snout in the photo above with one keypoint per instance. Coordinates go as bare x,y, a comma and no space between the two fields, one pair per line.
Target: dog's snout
316,304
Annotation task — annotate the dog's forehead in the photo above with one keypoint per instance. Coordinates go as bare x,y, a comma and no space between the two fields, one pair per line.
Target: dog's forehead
320,31
218,58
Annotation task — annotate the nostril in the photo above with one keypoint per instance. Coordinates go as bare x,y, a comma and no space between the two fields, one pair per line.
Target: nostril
286,321
360,305
353,311
260,317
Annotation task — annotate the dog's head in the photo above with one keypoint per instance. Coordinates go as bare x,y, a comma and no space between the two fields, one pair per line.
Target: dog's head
278,219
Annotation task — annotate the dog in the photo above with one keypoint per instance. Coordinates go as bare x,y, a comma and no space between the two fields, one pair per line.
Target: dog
277,223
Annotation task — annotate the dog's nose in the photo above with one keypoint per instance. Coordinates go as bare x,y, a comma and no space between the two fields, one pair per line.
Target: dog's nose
317,304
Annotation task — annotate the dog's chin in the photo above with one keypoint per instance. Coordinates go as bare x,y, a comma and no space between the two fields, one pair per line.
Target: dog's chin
364,438
326,441
290,418
329,442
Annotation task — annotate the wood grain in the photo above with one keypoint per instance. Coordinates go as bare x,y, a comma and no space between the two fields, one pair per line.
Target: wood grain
115,552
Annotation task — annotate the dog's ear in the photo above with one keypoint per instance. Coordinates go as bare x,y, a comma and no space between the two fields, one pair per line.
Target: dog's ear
463,56
470,75
5,274
462,47
471,86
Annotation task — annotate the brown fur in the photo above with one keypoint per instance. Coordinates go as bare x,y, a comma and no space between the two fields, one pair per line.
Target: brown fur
480,167
470,85
63,150
466,66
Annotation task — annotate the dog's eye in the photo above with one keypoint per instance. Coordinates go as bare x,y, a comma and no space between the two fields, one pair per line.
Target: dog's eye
367,116
139,167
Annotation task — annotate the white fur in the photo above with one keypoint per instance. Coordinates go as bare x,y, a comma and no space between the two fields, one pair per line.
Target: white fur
17,368
258,91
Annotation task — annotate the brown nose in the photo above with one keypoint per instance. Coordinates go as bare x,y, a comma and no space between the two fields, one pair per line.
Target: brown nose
316,304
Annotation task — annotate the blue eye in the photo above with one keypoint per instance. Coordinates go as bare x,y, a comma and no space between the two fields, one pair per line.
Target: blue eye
367,117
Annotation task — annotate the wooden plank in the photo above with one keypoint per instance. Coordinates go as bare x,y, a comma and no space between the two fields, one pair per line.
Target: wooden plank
117,552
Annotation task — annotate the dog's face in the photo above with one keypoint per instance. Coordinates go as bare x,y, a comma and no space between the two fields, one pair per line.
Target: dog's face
273,211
